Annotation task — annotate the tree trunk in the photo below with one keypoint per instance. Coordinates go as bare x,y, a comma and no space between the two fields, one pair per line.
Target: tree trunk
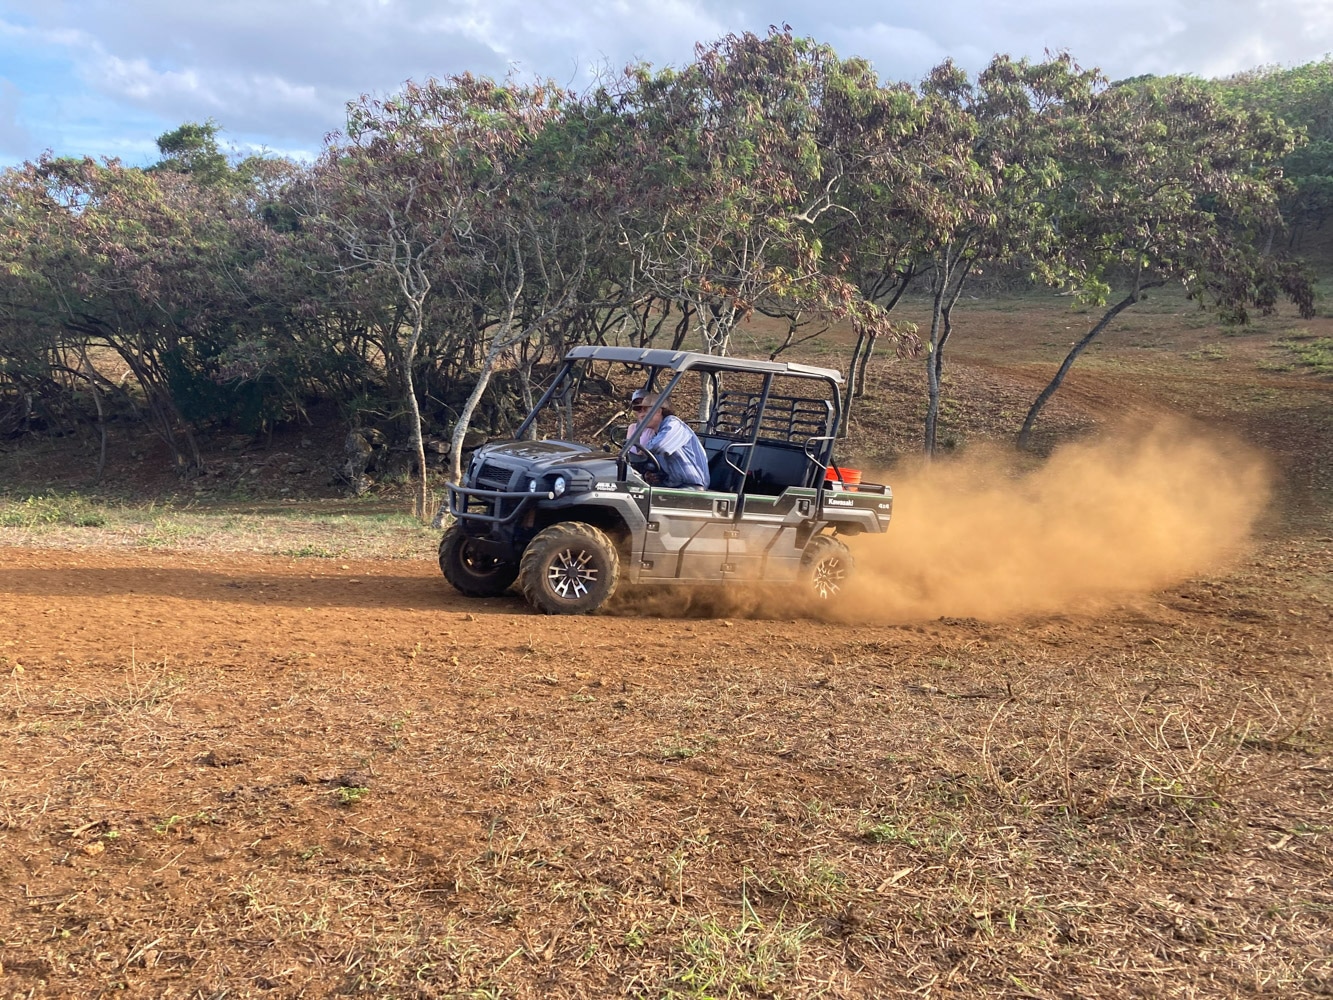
947,316
470,407
166,420
1024,436
867,339
793,324
91,376
418,444
869,353
683,327
941,325
932,378
847,393
717,321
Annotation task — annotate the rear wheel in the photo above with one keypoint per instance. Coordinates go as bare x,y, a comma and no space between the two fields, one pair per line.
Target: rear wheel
570,568
470,570
826,568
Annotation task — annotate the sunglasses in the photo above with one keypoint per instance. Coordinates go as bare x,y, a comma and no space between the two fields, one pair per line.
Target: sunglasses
638,407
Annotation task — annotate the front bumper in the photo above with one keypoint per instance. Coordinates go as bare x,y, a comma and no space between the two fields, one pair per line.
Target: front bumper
492,507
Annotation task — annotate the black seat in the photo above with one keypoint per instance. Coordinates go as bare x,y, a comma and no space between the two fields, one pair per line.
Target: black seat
777,467
722,477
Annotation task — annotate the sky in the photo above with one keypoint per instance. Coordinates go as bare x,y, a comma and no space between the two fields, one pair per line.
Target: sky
106,77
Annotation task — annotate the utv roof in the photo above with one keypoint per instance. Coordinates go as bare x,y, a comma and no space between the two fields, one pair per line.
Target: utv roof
682,360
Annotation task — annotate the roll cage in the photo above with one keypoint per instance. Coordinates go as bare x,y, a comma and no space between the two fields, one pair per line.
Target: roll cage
757,440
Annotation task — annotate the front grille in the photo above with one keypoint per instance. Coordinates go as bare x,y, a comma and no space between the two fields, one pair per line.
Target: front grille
497,478
494,477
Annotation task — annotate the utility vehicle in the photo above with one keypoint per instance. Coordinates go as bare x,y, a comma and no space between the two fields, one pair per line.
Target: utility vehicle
572,520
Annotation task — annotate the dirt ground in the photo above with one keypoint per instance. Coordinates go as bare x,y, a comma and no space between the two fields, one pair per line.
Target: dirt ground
229,776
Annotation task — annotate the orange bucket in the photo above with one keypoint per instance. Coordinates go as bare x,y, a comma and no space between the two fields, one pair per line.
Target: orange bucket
841,478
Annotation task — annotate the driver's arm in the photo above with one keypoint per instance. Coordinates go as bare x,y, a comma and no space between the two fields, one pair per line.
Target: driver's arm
672,437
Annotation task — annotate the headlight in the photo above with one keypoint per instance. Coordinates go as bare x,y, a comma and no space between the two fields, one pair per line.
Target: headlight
532,486
558,487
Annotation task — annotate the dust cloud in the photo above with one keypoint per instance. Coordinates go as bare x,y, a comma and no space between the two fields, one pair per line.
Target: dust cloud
1130,513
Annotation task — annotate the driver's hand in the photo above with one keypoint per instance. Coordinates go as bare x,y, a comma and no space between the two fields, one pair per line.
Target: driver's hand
652,478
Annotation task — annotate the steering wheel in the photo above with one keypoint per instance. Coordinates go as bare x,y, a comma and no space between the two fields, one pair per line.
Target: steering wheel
644,461
611,438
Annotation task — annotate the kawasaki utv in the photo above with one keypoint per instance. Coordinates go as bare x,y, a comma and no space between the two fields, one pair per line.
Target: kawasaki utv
573,514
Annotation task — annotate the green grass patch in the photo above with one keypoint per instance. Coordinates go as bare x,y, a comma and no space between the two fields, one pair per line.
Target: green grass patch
1314,353
60,521
1209,352
889,833
51,509
350,795
686,748
310,552
716,958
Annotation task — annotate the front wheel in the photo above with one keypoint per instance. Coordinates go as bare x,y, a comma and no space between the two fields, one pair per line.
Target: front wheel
470,570
826,568
570,568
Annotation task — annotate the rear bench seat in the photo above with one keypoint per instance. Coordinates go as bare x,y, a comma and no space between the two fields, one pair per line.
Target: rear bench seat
776,466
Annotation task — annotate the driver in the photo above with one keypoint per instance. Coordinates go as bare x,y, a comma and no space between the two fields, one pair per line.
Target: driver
671,441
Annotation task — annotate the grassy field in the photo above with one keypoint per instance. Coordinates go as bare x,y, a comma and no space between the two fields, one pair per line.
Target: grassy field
331,529
254,746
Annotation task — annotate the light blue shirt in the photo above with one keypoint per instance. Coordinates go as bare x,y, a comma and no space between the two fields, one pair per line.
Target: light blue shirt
678,450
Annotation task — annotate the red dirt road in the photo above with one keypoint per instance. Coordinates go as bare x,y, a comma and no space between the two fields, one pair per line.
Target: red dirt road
277,777
226,776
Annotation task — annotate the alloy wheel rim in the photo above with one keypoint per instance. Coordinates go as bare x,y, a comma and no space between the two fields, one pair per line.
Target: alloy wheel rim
572,574
828,578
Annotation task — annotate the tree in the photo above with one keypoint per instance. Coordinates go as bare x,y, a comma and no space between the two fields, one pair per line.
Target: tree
148,265
880,147
1302,96
1170,185
192,149
428,186
1009,141
725,188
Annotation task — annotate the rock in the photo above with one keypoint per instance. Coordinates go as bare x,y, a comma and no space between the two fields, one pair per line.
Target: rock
359,452
358,446
398,465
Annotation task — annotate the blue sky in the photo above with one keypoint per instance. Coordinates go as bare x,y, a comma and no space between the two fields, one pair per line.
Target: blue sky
106,77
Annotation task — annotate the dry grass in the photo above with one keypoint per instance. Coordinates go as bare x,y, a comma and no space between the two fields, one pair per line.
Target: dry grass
67,521
390,795
955,811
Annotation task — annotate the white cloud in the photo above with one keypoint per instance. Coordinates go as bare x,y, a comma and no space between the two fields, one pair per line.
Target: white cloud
280,73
